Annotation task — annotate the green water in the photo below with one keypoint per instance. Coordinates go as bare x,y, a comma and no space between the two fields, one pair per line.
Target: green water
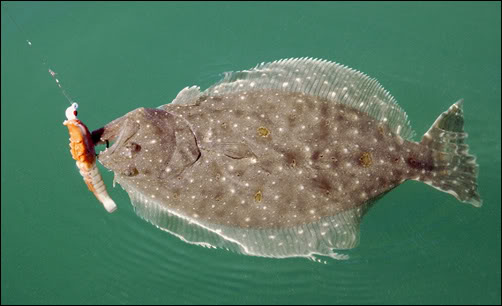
58,244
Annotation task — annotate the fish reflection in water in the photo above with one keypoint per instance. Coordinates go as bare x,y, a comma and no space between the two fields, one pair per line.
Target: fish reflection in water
280,160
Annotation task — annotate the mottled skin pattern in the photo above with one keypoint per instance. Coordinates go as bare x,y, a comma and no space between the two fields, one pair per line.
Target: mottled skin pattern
261,159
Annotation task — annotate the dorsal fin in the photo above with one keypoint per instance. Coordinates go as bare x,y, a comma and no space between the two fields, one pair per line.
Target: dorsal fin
321,78
188,96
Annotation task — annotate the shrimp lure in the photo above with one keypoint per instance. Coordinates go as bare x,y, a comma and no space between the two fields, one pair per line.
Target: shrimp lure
82,151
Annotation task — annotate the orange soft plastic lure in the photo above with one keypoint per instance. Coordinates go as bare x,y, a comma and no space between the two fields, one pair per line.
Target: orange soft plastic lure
82,150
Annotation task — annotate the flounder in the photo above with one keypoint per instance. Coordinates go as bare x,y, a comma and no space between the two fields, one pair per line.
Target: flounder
280,160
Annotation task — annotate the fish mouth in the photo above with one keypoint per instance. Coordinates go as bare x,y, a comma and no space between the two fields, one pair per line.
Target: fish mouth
120,152
109,132
96,137
114,134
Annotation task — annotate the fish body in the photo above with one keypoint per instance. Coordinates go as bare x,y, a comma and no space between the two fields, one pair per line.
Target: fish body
281,160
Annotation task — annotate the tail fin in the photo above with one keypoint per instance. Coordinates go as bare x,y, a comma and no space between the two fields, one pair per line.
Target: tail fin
457,169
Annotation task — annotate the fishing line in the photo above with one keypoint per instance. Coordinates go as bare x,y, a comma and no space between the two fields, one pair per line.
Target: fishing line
42,58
